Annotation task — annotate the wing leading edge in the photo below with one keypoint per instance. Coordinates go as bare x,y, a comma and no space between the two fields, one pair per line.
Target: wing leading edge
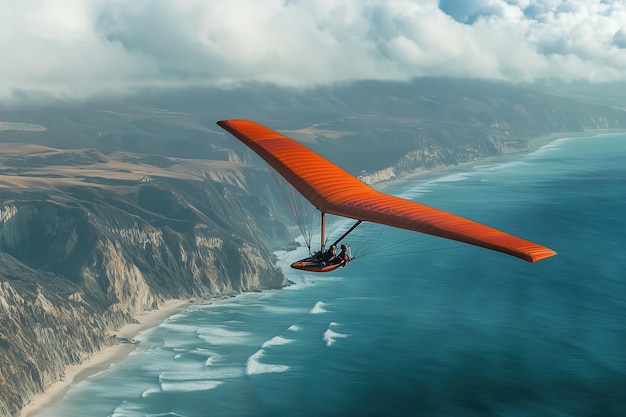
333,190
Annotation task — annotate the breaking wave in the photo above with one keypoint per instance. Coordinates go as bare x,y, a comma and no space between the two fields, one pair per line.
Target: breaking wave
318,308
255,367
276,341
187,386
220,336
330,336
150,391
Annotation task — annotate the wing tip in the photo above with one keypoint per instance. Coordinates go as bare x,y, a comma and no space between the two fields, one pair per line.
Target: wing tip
540,255
226,122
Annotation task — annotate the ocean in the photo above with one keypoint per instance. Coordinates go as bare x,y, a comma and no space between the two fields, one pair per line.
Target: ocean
416,326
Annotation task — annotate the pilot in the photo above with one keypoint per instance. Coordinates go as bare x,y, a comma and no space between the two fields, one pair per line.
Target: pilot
330,255
343,258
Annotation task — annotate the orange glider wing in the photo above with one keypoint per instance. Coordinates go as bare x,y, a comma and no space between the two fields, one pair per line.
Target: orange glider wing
333,190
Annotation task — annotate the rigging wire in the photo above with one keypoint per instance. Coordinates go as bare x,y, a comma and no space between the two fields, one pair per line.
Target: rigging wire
302,212
363,246
307,217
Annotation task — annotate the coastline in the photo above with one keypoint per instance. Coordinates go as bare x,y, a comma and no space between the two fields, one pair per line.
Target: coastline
537,142
103,359
532,144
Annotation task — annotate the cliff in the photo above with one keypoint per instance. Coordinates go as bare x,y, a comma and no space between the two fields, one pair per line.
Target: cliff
78,261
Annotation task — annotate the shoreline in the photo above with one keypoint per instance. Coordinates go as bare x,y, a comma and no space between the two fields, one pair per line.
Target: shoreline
532,144
103,359
539,141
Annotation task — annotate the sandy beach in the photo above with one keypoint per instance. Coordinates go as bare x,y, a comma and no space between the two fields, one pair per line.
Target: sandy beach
103,359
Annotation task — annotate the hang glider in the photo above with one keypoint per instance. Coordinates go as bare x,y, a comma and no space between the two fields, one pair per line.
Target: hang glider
333,190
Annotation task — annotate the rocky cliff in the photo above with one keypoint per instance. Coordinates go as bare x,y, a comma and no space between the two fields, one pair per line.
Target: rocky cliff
77,262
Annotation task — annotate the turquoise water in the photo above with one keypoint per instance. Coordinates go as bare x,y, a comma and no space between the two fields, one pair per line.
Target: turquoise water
436,330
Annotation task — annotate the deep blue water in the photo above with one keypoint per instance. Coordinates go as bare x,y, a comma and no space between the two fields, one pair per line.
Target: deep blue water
436,330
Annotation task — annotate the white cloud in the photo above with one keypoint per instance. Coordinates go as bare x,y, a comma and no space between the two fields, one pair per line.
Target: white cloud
619,38
78,48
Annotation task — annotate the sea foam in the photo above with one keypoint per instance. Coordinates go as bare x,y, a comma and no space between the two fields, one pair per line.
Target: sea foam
177,327
219,336
330,336
461,176
255,367
151,391
277,341
187,386
318,308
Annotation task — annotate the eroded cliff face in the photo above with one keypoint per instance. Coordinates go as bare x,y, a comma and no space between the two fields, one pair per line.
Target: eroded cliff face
43,331
75,266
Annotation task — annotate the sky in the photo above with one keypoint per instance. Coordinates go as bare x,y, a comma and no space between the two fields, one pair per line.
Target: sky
82,48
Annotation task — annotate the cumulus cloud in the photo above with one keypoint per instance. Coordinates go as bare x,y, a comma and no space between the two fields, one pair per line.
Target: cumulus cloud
78,48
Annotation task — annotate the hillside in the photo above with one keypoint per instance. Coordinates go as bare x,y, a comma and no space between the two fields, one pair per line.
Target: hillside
88,240
365,127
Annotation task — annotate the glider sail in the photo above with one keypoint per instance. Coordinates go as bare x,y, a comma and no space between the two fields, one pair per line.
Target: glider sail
333,190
